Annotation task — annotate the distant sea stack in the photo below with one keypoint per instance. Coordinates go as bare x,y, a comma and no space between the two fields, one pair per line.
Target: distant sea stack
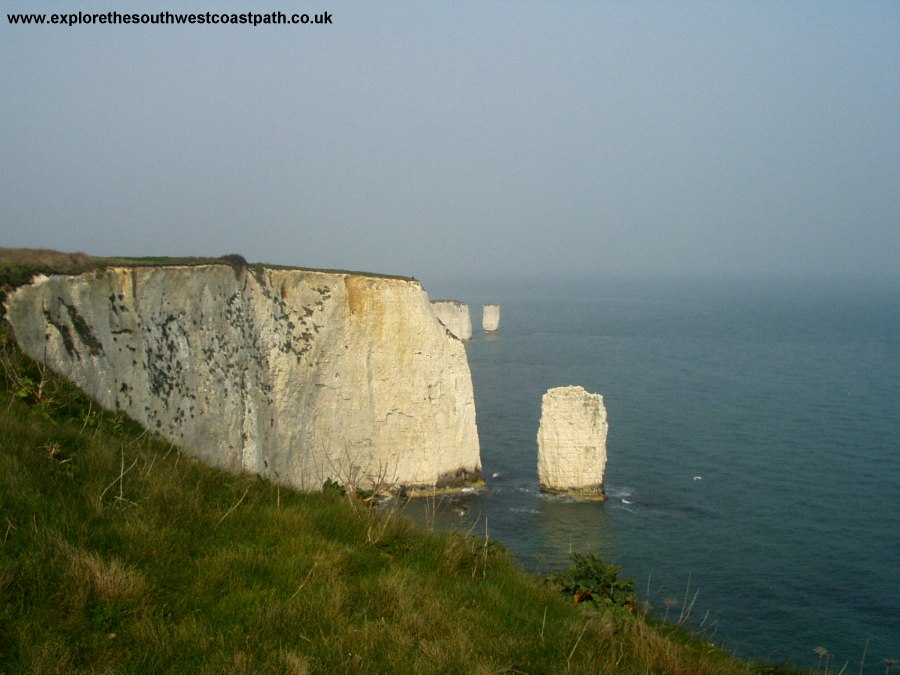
455,317
297,375
572,443
490,318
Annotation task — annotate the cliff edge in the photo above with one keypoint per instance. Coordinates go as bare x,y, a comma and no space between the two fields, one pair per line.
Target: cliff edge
297,375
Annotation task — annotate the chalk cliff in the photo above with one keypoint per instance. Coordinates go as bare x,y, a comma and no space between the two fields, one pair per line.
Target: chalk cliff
455,317
297,375
490,318
572,443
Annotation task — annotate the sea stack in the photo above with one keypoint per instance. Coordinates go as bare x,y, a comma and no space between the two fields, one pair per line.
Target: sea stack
490,319
455,317
572,443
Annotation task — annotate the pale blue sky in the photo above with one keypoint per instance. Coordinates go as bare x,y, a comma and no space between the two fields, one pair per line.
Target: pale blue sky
470,138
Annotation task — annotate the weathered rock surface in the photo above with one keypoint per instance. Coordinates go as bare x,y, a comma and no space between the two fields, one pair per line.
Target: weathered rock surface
490,318
455,317
297,375
572,443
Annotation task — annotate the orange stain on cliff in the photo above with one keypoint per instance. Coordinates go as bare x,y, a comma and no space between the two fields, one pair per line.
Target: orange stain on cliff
364,298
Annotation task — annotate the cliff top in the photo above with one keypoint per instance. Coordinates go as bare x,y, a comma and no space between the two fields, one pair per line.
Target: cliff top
18,265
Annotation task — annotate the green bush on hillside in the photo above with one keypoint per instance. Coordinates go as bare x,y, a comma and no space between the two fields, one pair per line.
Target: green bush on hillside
595,583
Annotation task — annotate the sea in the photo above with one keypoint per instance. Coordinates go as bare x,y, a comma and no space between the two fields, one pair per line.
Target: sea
753,474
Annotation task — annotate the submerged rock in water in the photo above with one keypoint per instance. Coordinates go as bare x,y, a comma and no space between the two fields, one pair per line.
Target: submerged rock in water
572,443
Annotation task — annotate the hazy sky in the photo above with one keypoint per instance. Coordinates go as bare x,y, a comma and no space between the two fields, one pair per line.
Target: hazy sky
464,138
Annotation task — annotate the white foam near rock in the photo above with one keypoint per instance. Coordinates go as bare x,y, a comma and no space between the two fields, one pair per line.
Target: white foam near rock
572,443
297,375
455,316
490,318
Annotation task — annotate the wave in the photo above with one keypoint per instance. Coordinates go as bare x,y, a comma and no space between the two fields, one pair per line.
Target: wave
619,492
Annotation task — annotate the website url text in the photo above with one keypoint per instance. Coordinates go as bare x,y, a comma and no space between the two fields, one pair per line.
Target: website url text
171,19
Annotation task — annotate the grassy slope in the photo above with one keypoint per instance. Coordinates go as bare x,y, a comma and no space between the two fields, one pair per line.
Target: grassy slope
119,554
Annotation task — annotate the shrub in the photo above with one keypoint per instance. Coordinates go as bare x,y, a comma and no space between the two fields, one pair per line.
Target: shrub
234,259
594,582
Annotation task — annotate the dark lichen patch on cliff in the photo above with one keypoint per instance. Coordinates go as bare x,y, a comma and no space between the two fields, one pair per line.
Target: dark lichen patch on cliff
124,393
77,323
294,320
85,334
117,303
64,333
237,316
163,358
167,359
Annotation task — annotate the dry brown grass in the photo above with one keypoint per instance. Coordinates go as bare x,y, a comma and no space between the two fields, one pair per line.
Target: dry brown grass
45,257
109,580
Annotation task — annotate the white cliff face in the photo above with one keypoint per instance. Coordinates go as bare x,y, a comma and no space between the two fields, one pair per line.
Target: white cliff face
572,442
455,317
490,318
297,375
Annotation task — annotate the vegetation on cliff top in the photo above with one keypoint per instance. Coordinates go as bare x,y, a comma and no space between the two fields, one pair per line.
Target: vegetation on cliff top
119,554
18,265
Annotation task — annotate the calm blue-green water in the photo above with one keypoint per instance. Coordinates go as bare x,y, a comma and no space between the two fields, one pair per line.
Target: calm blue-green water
784,401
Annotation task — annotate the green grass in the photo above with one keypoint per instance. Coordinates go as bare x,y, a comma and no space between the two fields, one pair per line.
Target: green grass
118,554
